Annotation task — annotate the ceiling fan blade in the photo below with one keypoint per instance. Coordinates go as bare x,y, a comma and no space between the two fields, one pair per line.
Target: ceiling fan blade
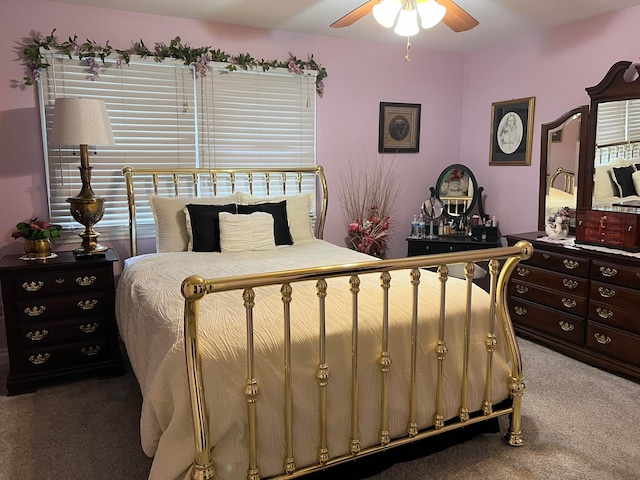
354,15
456,18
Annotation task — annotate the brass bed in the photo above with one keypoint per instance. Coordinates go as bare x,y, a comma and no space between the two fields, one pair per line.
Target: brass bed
366,354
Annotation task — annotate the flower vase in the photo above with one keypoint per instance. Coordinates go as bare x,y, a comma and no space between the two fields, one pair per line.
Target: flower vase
40,248
556,233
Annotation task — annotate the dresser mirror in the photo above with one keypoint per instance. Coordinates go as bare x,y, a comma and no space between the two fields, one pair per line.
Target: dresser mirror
613,140
458,191
563,144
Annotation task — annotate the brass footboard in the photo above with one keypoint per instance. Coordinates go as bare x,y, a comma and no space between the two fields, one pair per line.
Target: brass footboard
194,290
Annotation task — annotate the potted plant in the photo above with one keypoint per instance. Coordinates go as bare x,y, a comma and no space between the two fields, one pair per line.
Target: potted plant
37,235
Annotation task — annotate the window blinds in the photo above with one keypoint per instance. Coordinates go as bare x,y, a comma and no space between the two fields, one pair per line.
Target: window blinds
162,116
618,131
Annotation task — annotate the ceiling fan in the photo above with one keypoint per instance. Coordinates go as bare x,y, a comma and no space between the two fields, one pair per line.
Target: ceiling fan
455,17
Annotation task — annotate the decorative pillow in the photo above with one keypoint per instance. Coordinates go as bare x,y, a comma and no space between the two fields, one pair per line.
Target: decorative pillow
622,177
280,220
614,185
239,233
203,226
171,226
636,181
298,212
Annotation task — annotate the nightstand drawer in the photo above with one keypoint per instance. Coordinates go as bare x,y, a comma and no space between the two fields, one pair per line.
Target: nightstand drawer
60,356
45,309
45,284
559,324
32,336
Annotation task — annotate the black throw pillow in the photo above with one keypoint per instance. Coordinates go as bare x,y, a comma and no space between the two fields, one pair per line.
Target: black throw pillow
624,180
205,225
281,232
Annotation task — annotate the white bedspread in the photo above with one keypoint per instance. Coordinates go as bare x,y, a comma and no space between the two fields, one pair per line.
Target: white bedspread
149,312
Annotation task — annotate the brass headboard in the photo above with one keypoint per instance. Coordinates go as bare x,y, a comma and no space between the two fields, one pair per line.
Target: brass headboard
288,181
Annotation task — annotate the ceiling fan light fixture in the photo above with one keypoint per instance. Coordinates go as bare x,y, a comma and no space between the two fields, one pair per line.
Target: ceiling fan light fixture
407,25
386,12
431,12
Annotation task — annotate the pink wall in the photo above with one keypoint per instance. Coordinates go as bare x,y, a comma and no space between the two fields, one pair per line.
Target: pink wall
455,90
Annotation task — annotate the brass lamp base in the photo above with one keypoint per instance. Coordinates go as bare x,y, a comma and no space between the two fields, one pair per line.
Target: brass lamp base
88,211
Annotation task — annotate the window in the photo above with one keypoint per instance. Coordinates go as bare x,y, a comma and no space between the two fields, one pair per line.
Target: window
162,115
618,131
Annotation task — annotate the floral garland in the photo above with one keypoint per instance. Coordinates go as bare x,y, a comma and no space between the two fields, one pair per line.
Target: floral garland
199,57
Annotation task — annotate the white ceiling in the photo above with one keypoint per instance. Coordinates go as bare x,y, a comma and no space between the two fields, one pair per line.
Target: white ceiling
500,20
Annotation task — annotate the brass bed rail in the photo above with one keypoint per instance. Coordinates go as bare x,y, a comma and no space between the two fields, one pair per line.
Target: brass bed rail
195,289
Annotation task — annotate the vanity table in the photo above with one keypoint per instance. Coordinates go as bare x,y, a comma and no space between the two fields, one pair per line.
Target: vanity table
448,243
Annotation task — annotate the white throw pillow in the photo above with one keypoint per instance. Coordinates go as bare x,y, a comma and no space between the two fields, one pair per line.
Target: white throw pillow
298,212
635,176
242,232
171,224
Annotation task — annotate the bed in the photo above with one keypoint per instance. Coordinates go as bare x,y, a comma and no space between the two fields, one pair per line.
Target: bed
561,192
616,182
282,361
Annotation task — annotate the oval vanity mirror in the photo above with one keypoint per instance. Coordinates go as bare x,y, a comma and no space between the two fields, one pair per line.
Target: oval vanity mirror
432,209
458,191
563,143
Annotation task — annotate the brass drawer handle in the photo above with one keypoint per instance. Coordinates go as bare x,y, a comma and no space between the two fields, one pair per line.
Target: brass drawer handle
606,292
568,302
523,272
87,304
85,281
33,286
60,281
546,256
90,351
39,359
604,313
89,327
602,338
566,326
571,264
521,289
570,284
519,310
37,335
608,272
35,311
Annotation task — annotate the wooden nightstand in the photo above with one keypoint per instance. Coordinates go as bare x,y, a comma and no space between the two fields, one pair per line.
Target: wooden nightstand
60,319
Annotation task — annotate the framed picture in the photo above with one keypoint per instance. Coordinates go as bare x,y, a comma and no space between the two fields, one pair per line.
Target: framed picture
556,136
399,128
511,132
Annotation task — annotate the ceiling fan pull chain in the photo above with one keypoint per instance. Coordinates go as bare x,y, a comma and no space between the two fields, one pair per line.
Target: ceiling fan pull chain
407,57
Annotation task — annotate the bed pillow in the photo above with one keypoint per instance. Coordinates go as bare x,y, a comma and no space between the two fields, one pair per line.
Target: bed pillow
242,232
169,217
636,181
280,221
298,212
203,226
622,177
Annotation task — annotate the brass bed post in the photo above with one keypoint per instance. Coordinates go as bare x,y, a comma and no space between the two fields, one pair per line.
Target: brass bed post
385,361
325,200
354,447
441,348
490,341
412,428
251,388
323,372
193,290
289,461
516,382
463,414
131,200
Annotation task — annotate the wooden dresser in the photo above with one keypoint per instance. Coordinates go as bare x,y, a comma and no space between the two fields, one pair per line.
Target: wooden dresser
580,302
59,317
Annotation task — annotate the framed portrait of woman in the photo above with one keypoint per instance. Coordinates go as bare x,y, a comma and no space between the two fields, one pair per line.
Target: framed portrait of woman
511,132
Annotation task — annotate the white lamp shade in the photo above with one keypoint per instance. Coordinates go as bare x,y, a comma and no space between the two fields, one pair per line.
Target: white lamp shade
407,25
386,12
81,121
431,12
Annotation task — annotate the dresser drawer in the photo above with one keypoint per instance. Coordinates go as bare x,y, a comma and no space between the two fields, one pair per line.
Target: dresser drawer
561,325
561,300
34,335
576,266
575,286
614,295
45,309
615,273
44,284
613,343
614,316
52,357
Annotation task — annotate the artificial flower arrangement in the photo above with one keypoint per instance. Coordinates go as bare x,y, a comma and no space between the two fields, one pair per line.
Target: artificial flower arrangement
557,225
368,197
36,229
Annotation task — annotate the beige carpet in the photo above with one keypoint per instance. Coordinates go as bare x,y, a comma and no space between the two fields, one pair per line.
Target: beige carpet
579,423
